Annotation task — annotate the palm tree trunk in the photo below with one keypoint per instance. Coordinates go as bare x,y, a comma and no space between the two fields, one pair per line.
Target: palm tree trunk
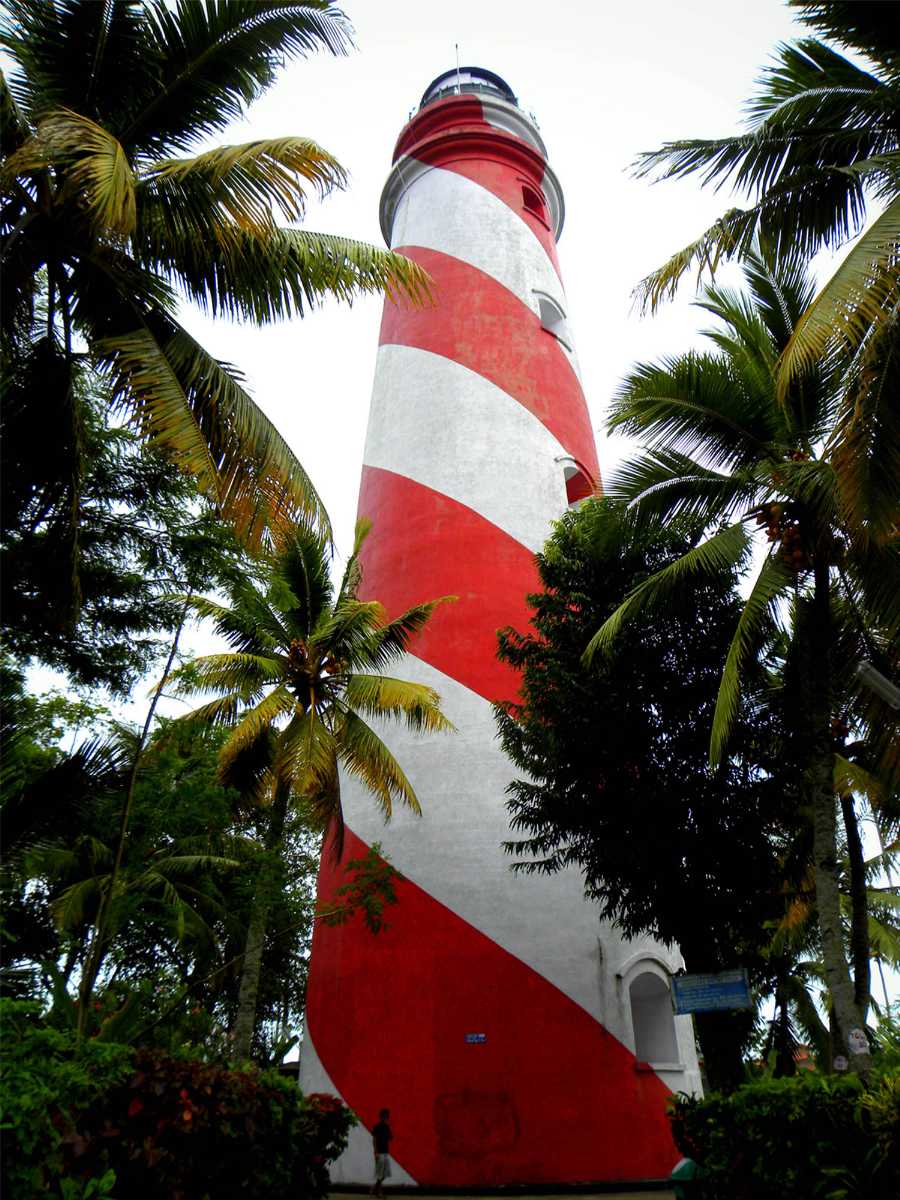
859,919
819,789
245,1020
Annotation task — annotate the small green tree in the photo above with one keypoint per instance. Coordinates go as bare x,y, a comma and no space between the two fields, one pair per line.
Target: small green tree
614,761
303,675
723,446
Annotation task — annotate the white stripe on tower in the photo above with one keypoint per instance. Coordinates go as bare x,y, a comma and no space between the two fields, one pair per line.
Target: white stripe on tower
476,1016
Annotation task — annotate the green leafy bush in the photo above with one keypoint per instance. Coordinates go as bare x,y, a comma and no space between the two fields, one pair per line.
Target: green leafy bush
43,1088
803,1138
168,1128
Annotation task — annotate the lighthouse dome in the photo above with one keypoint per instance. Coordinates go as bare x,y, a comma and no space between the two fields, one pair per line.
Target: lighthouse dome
465,80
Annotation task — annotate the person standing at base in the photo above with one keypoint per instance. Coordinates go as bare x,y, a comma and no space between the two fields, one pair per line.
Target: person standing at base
382,1136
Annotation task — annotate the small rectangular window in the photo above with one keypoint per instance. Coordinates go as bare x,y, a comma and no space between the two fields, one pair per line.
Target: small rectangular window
533,201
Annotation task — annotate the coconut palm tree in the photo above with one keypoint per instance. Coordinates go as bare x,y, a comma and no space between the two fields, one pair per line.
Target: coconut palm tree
822,142
821,147
113,203
723,446
303,675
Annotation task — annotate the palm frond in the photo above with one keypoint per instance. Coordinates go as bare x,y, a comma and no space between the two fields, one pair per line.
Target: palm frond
307,756
221,711
395,638
380,696
245,674
726,550
14,128
851,777
249,624
184,865
864,446
869,29
884,941
254,721
729,237
861,293
213,58
694,405
352,576
366,757
242,183
197,409
75,905
267,276
756,617
96,168
663,484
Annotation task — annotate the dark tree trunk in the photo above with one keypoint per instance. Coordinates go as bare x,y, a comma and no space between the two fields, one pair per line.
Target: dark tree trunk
818,786
245,1021
723,1037
859,920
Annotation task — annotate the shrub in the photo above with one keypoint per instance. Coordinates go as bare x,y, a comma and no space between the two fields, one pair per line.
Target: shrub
168,1128
803,1138
43,1087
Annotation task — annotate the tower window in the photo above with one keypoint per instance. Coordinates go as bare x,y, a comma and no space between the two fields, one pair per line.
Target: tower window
578,487
579,484
533,202
553,319
652,1020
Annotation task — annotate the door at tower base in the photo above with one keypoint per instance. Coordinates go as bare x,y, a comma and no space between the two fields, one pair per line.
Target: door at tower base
543,1094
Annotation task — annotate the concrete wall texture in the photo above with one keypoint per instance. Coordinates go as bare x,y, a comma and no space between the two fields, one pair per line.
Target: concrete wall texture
494,1016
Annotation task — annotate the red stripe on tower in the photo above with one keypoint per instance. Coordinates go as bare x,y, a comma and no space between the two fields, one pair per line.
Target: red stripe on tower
495,1016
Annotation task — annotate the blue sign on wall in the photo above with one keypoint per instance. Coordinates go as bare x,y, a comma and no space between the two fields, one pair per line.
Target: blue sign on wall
711,993
475,1039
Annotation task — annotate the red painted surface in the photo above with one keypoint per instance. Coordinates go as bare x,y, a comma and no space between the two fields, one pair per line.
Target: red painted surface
453,134
480,324
549,1097
426,545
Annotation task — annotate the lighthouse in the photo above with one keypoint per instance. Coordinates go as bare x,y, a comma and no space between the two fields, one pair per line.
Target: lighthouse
514,1037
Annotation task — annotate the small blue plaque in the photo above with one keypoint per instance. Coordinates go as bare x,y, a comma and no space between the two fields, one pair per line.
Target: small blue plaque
475,1039
711,993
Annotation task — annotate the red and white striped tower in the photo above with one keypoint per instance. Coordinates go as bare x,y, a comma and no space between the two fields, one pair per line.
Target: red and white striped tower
496,1017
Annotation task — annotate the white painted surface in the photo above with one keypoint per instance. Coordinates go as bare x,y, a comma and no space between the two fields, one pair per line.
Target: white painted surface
356,1164
445,426
444,211
453,852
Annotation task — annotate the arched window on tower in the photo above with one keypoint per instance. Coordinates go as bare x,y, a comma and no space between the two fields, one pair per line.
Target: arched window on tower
652,1019
553,319
579,484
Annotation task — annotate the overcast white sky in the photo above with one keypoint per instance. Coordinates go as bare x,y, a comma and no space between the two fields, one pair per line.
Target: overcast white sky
605,81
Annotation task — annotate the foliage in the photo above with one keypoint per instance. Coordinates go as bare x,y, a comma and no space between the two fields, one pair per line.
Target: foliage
804,1138
302,655
166,1127
724,446
303,676
614,761
822,136
111,206
90,562
43,1087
